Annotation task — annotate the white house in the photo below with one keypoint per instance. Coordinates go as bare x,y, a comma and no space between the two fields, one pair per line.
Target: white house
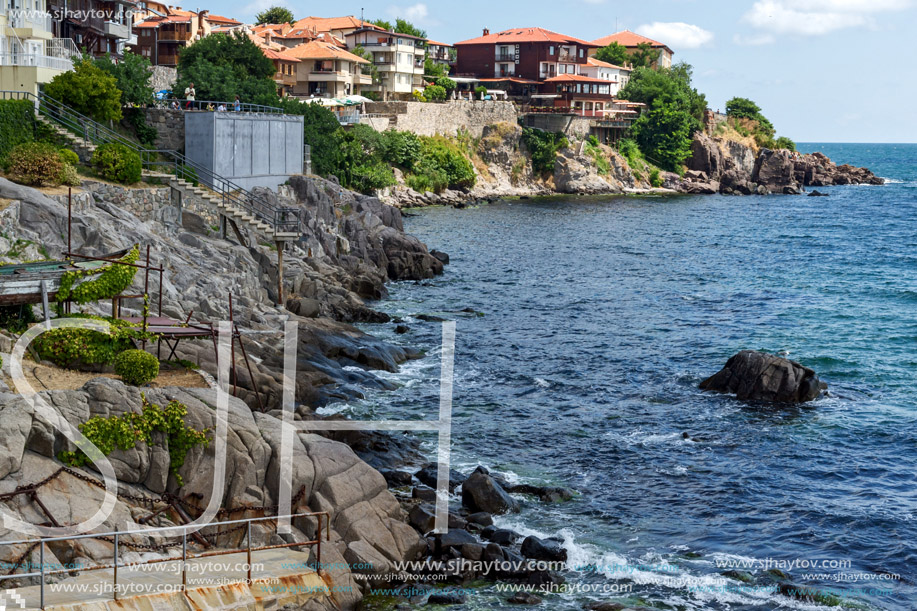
617,76
398,59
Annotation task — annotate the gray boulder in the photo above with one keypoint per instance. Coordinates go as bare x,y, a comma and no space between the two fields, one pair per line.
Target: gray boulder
481,493
759,376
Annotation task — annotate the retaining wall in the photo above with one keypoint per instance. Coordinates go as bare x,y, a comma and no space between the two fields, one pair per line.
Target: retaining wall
446,118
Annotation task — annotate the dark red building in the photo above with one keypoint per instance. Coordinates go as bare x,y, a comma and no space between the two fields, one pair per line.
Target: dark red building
520,59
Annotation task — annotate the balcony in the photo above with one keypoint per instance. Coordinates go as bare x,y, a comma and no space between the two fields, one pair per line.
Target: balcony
116,30
167,60
506,57
174,36
30,19
36,61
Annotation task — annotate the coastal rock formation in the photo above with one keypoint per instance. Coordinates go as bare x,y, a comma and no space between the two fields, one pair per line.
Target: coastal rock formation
575,174
366,521
734,168
352,244
480,492
759,376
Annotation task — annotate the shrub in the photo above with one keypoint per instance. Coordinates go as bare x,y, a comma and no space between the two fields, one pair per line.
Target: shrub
35,163
69,176
117,163
785,143
418,97
480,89
17,124
629,150
443,166
543,147
16,318
136,367
145,133
88,90
655,178
446,83
68,156
401,148
71,347
125,431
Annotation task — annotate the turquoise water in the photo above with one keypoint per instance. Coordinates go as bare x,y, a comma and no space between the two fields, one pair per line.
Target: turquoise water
602,315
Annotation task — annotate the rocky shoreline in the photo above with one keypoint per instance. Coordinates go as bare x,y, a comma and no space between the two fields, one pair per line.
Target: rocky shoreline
716,165
375,485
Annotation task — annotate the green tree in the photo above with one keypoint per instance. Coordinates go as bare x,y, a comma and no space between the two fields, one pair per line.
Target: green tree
371,68
785,143
434,92
446,83
645,56
742,108
322,132
88,90
433,70
615,53
275,14
674,112
402,26
133,76
222,66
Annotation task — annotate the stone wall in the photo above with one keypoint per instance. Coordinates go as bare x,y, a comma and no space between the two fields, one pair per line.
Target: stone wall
145,203
570,125
164,77
447,118
170,128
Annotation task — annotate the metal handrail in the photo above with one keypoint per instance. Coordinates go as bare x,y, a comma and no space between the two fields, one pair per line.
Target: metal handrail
281,219
183,528
202,105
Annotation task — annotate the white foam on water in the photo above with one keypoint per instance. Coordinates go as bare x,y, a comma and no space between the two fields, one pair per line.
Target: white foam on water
542,383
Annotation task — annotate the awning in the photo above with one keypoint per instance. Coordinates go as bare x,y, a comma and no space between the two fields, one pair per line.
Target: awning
544,95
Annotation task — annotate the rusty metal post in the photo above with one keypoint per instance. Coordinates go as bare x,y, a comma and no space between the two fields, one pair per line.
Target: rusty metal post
41,563
146,293
318,546
279,273
249,537
184,559
116,568
69,217
232,351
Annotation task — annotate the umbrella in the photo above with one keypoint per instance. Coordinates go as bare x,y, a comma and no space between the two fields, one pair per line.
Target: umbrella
358,99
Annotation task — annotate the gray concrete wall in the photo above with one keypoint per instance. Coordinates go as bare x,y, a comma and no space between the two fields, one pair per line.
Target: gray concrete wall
446,118
570,125
252,150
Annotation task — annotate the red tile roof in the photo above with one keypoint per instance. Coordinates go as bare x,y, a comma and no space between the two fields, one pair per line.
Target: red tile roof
597,62
525,35
629,39
326,24
437,44
222,20
322,50
280,55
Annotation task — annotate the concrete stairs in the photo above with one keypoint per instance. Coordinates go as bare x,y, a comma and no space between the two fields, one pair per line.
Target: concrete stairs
232,212
82,147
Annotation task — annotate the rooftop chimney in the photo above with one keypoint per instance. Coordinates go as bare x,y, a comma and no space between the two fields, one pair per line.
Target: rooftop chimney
486,31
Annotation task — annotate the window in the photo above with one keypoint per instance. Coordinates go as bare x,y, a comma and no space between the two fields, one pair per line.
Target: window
581,53
551,50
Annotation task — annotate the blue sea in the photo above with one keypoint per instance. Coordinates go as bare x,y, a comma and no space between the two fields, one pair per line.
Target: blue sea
600,316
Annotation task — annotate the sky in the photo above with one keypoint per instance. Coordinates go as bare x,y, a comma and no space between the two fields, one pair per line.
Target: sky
821,70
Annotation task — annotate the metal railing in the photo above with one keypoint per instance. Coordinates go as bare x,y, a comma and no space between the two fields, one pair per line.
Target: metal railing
323,519
35,60
183,104
280,219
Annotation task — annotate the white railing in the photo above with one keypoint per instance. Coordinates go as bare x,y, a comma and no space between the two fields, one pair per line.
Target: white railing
35,60
38,20
61,48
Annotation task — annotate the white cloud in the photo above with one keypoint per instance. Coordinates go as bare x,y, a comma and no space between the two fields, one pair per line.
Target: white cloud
753,40
676,34
817,17
418,14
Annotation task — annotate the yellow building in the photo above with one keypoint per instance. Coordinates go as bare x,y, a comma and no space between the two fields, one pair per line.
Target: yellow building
29,53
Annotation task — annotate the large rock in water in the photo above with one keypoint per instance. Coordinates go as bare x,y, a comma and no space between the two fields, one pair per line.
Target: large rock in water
753,375
481,493
775,170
